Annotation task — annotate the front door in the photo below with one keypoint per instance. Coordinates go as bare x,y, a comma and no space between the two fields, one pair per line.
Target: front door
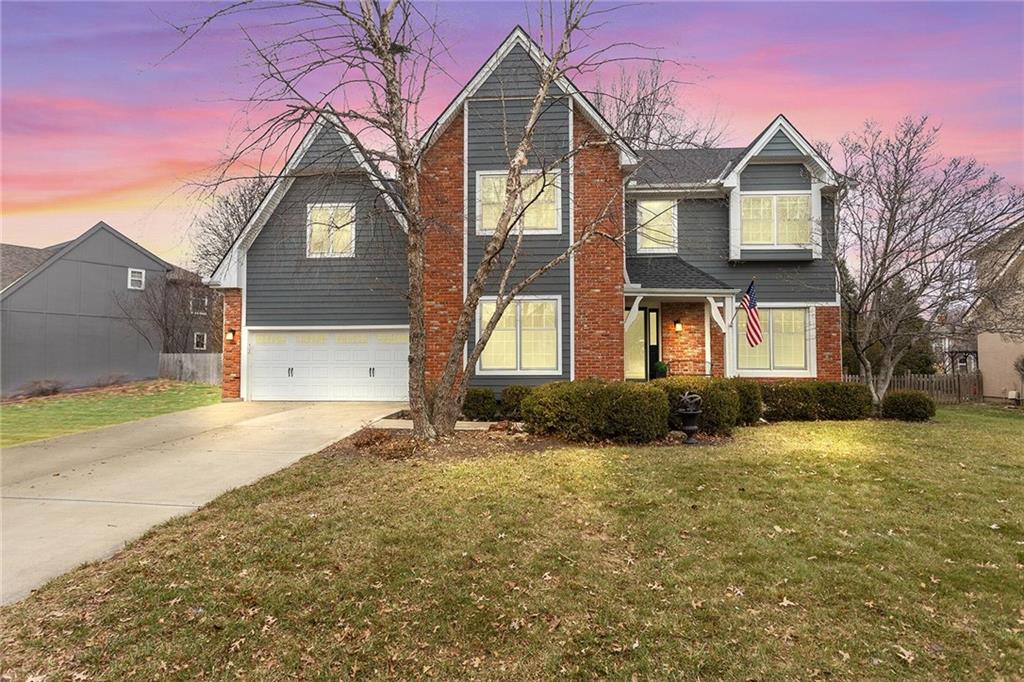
643,344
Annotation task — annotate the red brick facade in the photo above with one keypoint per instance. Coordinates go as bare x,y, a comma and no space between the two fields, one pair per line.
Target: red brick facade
830,343
442,195
598,265
231,379
683,350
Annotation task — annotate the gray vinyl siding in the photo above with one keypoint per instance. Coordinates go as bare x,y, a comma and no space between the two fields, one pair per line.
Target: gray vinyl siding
775,177
489,150
515,76
64,322
779,145
704,243
326,154
285,288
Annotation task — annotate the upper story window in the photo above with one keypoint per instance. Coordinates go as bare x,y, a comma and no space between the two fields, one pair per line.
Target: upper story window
526,338
197,305
784,348
773,219
542,200
136,279
657,226
330,230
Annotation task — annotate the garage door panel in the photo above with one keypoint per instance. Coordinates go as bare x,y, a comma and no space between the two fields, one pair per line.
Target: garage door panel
328,365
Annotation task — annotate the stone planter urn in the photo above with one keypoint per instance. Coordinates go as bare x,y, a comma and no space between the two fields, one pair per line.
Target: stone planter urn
689,411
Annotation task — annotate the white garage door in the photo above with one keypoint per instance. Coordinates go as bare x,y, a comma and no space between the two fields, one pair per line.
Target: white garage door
349,364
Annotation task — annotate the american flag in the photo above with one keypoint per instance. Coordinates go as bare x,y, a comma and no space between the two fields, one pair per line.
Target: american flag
749,303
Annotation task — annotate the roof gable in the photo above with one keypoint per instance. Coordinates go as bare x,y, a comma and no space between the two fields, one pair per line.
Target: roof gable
488,79
779,141
317,153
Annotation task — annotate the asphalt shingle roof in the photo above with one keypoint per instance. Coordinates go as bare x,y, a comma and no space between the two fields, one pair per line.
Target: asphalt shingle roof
669,272
17,261
683,166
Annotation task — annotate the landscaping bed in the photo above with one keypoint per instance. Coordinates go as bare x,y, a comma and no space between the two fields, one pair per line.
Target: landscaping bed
842,550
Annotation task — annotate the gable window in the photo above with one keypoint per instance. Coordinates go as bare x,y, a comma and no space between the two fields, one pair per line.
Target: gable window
526,339
330,230
541,201
768,219
136,279
785,345
197,305
199,341
657,226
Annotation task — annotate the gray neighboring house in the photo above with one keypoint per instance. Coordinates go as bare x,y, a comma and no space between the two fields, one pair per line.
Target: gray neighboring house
59,313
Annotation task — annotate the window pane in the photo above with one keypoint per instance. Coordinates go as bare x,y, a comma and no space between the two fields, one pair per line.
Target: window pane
492,199
656,227
652,331
789,338
500,351
756,220
794,219
751,357
636,353
539,334
539,198
319,229
342,229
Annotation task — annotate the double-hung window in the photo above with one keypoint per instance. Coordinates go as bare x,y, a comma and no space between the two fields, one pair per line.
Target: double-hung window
330,230
197,305
785,347
657,227
136,279
526,338
780,219
539,211
199,341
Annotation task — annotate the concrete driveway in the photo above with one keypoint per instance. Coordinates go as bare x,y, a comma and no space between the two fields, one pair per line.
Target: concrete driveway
79,498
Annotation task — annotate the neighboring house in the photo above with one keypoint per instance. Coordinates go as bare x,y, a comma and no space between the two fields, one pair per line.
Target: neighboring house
61,319
199,309
313,287
955,350
997,351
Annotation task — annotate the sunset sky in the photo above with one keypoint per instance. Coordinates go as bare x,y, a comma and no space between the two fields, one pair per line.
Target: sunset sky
99,123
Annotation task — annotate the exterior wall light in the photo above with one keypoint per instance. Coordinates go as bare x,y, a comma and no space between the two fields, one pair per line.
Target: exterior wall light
230,336
679,325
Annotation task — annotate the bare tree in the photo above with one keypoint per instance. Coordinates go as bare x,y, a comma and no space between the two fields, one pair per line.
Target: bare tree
213,233
643,106
909,221
378,58
171,309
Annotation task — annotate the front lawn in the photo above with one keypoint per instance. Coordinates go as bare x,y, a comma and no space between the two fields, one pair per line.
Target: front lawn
27,420
860,550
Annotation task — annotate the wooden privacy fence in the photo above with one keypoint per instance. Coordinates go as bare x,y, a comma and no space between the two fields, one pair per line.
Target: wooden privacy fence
203,368
943,388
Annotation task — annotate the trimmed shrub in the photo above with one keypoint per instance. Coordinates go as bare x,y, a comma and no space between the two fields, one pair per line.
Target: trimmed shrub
789,401
593,410
720,402
512,401
908,406
839,400
480,405
751,405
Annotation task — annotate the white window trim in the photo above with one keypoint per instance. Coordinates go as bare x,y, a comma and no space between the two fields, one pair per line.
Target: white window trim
195,339
136,271
192,307
811,348
523,372
556,176
674,248
775,245
351,252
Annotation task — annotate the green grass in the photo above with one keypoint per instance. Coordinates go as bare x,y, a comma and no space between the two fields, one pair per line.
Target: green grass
861,550
21,422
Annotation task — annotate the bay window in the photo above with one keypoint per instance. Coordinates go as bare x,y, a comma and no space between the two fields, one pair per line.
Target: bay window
330,230
768,219
657,227
785,347
526,338
541,201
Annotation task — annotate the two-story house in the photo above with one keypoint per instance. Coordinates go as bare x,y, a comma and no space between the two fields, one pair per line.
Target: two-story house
314,286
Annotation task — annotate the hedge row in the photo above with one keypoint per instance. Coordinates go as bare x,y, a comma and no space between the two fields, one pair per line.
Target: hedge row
595,410
482,405
809,400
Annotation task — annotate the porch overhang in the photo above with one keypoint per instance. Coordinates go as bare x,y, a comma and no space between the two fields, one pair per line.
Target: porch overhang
713,297
677,293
